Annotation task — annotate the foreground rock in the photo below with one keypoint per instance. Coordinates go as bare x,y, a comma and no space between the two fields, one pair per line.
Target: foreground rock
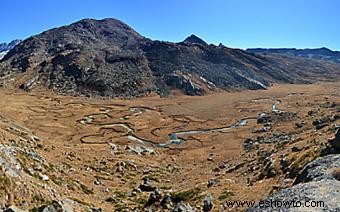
324,168
313,193
316,185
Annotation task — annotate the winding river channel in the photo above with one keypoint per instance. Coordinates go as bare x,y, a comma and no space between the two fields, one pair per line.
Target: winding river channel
175,137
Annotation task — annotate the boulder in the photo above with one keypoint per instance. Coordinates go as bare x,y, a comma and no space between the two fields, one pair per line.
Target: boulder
154,197
147,185
52,207
325,193
321,122
248,144
263,118
181,207
166,202
318,183
208,203
319,169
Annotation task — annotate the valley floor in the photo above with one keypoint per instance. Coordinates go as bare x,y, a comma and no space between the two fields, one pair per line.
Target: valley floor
95,153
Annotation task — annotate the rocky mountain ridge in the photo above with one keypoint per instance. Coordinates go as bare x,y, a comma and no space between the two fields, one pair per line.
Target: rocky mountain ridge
108,58
319,53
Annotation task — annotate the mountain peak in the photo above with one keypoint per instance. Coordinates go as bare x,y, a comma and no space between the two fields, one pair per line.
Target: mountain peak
324,50
106,23
193,39
110,21
91,32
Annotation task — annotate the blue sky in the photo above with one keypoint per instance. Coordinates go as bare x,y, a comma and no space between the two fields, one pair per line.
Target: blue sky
235,23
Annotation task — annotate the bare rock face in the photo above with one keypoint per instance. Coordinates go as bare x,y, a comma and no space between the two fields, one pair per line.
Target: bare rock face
319,169
326,191
108,58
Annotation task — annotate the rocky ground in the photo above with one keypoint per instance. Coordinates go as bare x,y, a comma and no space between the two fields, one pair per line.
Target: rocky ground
182,153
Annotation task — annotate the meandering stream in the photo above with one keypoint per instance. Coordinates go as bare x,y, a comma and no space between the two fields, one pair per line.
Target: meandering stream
174,137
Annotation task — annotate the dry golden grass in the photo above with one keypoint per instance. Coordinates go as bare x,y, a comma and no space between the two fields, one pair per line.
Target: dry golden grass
76,136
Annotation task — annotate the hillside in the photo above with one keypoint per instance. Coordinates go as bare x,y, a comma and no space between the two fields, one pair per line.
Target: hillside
108,58
319,54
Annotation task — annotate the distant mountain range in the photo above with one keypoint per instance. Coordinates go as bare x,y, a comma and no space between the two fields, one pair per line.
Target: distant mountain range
5,47
108,58
320,54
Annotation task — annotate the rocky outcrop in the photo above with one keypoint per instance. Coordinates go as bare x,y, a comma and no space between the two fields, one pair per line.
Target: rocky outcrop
318,183
324,192
324,168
